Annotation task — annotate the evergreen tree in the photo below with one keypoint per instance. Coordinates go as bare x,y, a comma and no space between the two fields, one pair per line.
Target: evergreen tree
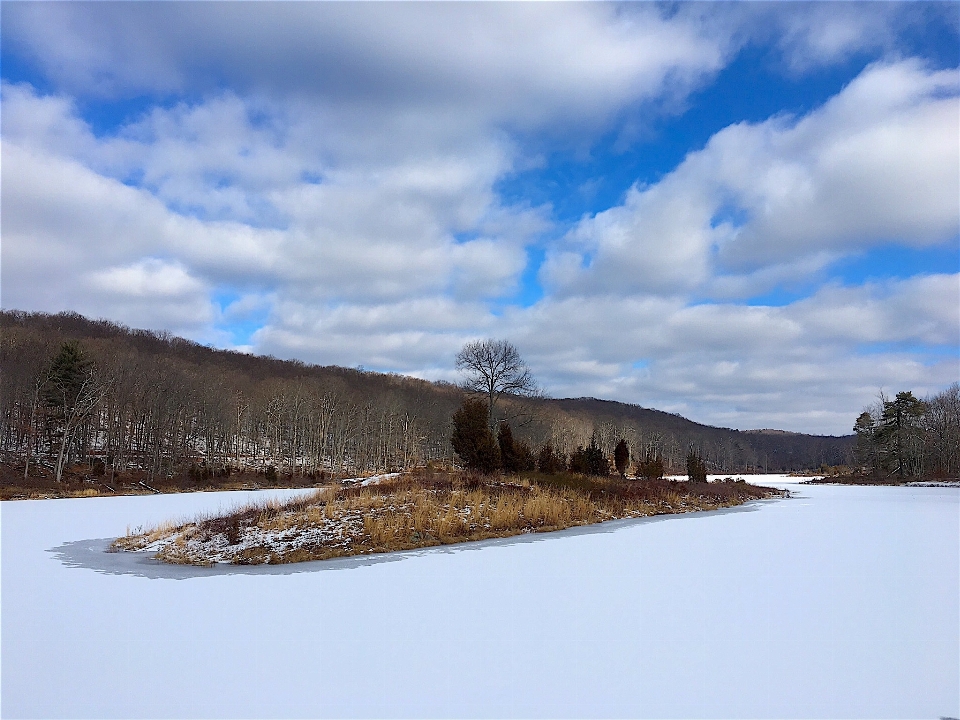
508,457
865,451
621,457
472,440
70,394
515,455
523,457
900,434
696,468
69,371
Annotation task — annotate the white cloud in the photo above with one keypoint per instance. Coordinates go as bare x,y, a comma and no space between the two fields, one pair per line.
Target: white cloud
923,310
344,187
418,335
815,34
805,366
150,277
876,164
508,62
70,235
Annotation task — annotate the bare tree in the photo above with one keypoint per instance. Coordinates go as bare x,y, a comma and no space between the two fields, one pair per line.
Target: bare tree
73,390
494,368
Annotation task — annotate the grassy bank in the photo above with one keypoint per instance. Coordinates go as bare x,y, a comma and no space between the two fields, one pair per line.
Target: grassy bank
423,509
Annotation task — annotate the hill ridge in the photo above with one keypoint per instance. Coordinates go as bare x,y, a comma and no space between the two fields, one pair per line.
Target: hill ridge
177,362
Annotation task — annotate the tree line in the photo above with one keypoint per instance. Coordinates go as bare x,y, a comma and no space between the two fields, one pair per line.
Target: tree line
482,450
75,390
115,407
906,437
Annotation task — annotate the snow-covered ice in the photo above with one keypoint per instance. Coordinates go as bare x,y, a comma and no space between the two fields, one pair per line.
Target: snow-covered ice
837,602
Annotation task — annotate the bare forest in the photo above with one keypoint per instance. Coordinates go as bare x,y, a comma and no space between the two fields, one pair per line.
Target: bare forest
105,399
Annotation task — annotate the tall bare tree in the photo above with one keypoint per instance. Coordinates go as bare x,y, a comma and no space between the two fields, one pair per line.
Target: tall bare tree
72,391
494,368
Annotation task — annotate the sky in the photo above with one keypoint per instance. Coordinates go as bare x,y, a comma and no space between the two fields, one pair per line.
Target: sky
744,213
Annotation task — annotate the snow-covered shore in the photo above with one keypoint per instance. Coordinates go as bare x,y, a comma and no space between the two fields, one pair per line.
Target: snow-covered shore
838,602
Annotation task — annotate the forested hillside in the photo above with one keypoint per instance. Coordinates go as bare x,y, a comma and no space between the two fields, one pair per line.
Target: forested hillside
79,390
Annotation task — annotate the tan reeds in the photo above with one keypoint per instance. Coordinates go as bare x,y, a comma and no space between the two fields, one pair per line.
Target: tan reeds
416,511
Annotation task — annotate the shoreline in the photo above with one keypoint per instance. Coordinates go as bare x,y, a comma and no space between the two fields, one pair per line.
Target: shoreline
95,553
866,481
414,512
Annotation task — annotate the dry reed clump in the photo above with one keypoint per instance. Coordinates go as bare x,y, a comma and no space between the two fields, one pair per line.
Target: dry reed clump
419,510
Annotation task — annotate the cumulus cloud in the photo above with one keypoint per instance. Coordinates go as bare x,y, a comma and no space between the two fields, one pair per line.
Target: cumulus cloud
876,164
805,366
502,61
330,173
812,35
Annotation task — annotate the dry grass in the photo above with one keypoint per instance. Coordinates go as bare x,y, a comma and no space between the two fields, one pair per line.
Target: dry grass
419,510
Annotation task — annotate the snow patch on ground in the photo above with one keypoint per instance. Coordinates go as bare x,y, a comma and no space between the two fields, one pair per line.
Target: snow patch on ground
215,547
372,480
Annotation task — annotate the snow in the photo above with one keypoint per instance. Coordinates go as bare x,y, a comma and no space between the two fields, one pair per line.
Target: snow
377,479
838,602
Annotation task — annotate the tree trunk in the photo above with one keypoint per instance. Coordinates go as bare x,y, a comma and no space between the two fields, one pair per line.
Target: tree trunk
30,433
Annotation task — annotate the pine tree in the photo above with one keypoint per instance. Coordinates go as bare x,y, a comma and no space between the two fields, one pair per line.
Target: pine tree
69,370
865,451
900,435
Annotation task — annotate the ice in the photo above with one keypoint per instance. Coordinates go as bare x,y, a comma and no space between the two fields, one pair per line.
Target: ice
837,602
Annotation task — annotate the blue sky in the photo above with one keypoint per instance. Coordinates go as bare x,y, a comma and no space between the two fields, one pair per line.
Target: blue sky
746,213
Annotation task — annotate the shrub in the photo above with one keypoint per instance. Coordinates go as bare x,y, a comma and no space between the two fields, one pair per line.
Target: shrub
590,460
651,467
549,461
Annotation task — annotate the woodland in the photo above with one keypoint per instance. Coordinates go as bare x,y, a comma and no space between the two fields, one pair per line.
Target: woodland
904,437
101,400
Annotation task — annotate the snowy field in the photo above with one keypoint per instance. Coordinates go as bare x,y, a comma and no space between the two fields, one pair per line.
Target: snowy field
838,602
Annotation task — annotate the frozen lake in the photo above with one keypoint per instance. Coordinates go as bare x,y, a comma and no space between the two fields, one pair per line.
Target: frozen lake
838,602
